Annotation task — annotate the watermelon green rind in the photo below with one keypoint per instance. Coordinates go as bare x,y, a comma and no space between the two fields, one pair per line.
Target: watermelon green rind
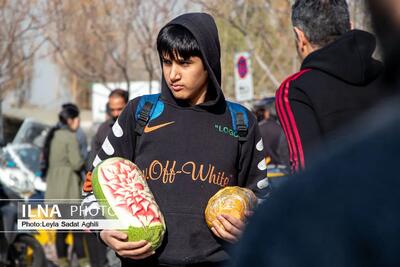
153,234
99,194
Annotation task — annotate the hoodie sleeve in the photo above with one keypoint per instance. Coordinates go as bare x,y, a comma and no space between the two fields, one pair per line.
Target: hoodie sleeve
120,142
299,122
253,172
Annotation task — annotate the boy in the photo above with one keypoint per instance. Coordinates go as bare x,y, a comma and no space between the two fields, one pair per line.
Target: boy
184,139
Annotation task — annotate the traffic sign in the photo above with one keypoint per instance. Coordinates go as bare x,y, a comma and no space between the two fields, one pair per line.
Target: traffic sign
243,77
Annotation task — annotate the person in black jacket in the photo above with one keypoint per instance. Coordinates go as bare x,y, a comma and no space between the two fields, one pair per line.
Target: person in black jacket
338,81
275,144
184,139
117,100
342,211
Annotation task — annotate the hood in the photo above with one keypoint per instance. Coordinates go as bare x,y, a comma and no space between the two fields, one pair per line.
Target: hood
349,58
204,29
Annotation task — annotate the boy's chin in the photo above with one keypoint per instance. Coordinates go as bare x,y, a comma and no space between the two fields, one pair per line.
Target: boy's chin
179,95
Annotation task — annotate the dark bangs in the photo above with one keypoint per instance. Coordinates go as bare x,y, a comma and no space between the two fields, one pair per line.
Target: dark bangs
176,41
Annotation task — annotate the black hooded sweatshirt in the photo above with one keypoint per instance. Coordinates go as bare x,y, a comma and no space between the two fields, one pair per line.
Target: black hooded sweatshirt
189,159
336,84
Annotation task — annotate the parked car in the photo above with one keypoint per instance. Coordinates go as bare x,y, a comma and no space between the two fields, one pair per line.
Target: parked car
20,179
31,132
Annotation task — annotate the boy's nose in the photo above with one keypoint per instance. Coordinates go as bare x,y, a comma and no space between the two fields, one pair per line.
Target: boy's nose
174,74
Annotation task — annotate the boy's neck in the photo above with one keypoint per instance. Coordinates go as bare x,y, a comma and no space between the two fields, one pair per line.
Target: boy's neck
200,98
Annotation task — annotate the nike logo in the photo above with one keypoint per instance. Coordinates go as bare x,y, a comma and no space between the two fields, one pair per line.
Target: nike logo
149,129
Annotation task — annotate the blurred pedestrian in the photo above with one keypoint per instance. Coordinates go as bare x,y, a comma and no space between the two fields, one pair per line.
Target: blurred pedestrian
82,141
117,100
275,144
80,134
339,79
62,162
343,211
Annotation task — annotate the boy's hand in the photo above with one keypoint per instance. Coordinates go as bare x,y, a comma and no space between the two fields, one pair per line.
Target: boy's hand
228,227
117,241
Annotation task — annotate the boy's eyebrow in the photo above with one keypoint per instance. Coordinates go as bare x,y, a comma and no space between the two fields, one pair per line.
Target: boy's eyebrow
176,57
184,59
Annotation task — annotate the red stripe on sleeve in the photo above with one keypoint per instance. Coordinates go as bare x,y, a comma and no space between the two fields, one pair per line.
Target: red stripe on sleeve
289,125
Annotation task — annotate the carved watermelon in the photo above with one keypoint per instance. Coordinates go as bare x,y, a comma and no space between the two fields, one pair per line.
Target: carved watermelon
119,184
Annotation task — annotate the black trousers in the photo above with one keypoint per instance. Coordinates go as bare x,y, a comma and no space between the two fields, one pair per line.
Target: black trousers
152,262
97,251
62,247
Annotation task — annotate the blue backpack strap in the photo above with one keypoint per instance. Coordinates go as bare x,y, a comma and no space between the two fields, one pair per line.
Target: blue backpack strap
240,124
144,110
240,120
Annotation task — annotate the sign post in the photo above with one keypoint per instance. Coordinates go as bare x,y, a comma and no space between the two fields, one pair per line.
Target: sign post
243,77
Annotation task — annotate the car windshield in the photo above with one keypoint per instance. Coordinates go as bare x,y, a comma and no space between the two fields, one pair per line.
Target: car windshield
31,132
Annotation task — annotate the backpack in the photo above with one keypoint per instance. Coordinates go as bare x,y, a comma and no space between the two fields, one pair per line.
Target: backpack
151,106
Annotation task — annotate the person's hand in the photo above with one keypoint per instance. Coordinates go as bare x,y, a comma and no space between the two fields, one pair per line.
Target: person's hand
228,227
117,241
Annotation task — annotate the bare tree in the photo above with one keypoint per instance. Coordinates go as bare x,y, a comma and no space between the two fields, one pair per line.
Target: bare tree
359,16
108,40
152,15
92,39
19,41
261,27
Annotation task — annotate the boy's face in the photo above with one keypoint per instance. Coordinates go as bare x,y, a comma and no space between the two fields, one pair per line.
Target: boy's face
187,79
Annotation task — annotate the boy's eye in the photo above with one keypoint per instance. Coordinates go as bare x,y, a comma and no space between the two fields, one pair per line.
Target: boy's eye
166,61
185,62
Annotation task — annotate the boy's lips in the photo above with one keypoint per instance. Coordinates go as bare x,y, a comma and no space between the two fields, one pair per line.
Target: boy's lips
177,87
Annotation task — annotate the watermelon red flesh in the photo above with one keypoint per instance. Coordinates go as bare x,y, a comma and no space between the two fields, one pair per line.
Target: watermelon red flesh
118,184
127,195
